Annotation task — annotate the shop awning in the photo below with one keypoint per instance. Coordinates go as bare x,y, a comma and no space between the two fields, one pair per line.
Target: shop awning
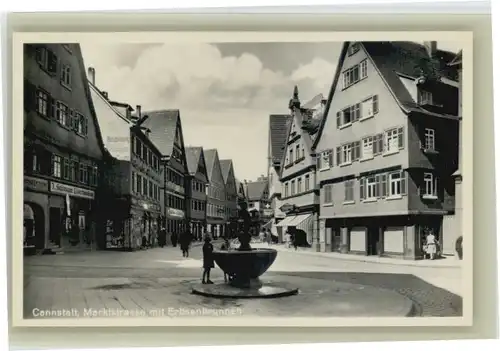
286,221
303,222
268,225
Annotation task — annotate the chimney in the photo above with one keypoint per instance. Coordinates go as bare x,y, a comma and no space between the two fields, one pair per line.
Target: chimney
138,111
91,75
431,47
105,94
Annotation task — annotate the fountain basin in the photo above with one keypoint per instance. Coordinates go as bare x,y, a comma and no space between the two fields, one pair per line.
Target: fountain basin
245,264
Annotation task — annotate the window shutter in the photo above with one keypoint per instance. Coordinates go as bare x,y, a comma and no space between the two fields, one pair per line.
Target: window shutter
384,185
85,125
375,104
377,186
330,158
375,145
51,107
346,190
318,161
52,164
400,138
357,150
52,62
404,182
339,155
357,110
29,95
339,119
361,188
381,143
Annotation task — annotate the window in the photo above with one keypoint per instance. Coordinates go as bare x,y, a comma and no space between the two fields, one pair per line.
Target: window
138,147
393,140
349,191
35,162
327,194
297,152
369,107
84,176
397,184
306,182
299,185
368,188
348,115
150,189
326,160
94,175
355,74
346,154
367,152
286,189
292,187
354,48
144,187
62,113
429,139
133,182
81,124
430,189
290,158
42,103
73,171
424,97
66,75
144,154
56,166
46,59
364,69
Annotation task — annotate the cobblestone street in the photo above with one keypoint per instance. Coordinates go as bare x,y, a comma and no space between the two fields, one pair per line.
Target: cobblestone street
157,282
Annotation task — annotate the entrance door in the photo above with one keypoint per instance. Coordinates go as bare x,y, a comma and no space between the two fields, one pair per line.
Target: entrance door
336,239
55,225
372,240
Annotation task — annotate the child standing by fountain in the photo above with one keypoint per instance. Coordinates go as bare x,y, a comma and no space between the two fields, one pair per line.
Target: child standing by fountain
208,260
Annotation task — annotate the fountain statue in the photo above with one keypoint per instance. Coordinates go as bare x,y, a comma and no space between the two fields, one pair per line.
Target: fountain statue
244,265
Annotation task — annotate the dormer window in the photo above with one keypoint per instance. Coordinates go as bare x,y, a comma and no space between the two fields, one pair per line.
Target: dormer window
424,97
354,48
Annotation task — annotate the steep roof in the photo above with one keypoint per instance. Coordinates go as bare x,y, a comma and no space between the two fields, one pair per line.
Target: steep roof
163,125
193,154
278,126
209,161
225,166
255,190
394,58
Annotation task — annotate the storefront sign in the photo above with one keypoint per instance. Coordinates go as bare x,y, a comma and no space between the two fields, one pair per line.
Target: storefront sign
175,213
146,205
268,212
287,207
33,183
64,189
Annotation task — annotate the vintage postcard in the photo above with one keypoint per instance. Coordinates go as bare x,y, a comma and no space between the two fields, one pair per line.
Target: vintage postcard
242,179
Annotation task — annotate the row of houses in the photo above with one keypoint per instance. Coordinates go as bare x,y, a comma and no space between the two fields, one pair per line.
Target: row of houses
375,166
101,173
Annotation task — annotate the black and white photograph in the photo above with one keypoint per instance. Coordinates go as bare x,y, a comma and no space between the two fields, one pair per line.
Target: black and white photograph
186,181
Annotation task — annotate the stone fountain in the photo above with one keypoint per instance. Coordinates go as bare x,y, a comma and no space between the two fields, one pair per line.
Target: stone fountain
244,266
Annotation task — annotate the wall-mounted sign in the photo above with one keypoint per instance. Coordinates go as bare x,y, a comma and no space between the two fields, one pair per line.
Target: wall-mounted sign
287,207
173,212
268,213
33,183
64,189
146,205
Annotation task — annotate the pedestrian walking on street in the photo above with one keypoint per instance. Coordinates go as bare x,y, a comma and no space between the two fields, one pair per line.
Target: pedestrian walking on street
208,260
173,238
185,242
162,239
431,245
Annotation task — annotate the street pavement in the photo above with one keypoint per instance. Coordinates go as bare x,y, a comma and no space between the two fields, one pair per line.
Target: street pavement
159,280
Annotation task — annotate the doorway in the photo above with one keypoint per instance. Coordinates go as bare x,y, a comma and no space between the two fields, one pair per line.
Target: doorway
336,240
55,225
372,241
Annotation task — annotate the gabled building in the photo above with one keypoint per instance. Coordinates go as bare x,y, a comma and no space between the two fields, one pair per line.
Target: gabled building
299,195
166,134
197,191
278,128
231,207
387,149
258,204
63,150
130,193
216,195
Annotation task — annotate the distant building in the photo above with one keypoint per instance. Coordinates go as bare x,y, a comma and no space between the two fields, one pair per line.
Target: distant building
63,150
387,149
299,195
216,195
197,191
130,192
231,206
166,134
259,206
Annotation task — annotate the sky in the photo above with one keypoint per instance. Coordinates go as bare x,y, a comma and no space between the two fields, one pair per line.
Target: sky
225,91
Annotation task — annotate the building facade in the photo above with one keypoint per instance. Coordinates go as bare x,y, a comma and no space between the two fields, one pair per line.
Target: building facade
131,175
197,191
387,149
166,134
258,203
216,195
278,128
231,205
298,173
63,150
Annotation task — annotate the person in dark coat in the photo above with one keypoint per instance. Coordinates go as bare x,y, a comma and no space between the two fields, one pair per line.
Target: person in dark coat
162,239
185,242
174,238
208,260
